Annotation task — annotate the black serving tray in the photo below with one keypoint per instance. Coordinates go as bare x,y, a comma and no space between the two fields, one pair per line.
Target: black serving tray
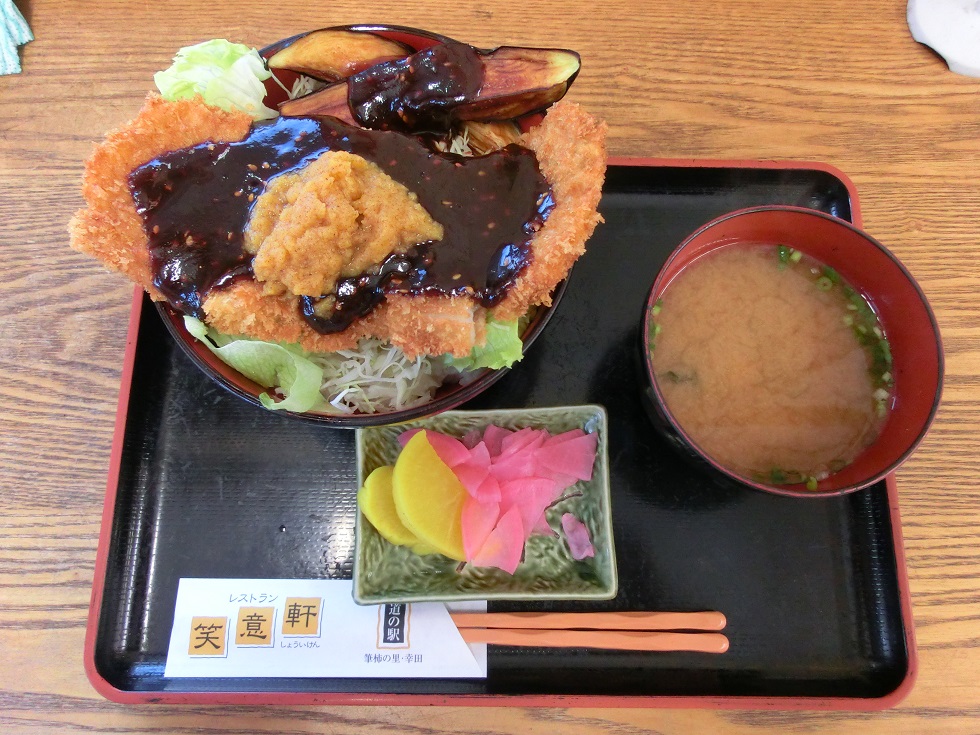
204,484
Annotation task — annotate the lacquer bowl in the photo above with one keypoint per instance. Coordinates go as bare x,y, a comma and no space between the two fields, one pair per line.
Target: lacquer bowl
870,268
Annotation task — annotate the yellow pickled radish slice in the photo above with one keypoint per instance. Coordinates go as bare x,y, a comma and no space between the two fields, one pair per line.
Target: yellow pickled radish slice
429,498
378,506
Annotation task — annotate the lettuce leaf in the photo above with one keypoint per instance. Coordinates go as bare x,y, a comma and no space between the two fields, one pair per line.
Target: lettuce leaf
227,75
268,364
502,349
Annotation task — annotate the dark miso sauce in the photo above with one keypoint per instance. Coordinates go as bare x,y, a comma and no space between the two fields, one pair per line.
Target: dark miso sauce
417,93
195,204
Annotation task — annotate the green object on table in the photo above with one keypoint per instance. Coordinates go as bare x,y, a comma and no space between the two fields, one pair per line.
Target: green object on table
14,32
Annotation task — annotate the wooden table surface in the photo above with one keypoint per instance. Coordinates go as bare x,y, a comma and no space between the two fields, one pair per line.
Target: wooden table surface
838,82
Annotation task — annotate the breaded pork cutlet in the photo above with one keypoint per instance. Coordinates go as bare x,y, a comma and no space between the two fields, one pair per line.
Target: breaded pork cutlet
110,228
570,147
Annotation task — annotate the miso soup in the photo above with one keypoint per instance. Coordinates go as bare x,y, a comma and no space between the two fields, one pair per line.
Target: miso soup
773,366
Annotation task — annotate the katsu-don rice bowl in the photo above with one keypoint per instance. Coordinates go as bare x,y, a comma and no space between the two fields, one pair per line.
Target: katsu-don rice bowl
359,225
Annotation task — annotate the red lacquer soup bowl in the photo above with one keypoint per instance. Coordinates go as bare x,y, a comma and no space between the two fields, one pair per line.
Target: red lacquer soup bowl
871,269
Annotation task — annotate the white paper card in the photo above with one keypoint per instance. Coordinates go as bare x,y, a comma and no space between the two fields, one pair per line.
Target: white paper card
313,628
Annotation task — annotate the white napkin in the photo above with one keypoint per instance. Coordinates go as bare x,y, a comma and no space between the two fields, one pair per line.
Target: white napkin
14,32
951,28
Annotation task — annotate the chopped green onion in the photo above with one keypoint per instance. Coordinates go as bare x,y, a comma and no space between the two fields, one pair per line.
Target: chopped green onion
811,483
824,283
653,333
675,377
886,351
657,307
796,256
784,253
830,273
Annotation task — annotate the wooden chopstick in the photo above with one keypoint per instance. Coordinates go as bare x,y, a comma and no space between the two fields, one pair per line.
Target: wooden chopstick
629,640
710,620
631,631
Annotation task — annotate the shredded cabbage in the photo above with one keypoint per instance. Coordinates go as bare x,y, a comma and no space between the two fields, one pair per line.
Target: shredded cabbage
226,75
460,144
304,85
377,377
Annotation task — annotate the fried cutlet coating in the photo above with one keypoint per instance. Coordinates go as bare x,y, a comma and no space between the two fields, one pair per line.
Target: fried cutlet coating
110,228
419,325
570,146
333,219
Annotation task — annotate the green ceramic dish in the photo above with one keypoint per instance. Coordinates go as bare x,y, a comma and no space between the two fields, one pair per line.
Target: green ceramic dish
387,573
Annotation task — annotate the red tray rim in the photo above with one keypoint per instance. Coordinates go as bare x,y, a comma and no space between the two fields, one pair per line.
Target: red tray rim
114,694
